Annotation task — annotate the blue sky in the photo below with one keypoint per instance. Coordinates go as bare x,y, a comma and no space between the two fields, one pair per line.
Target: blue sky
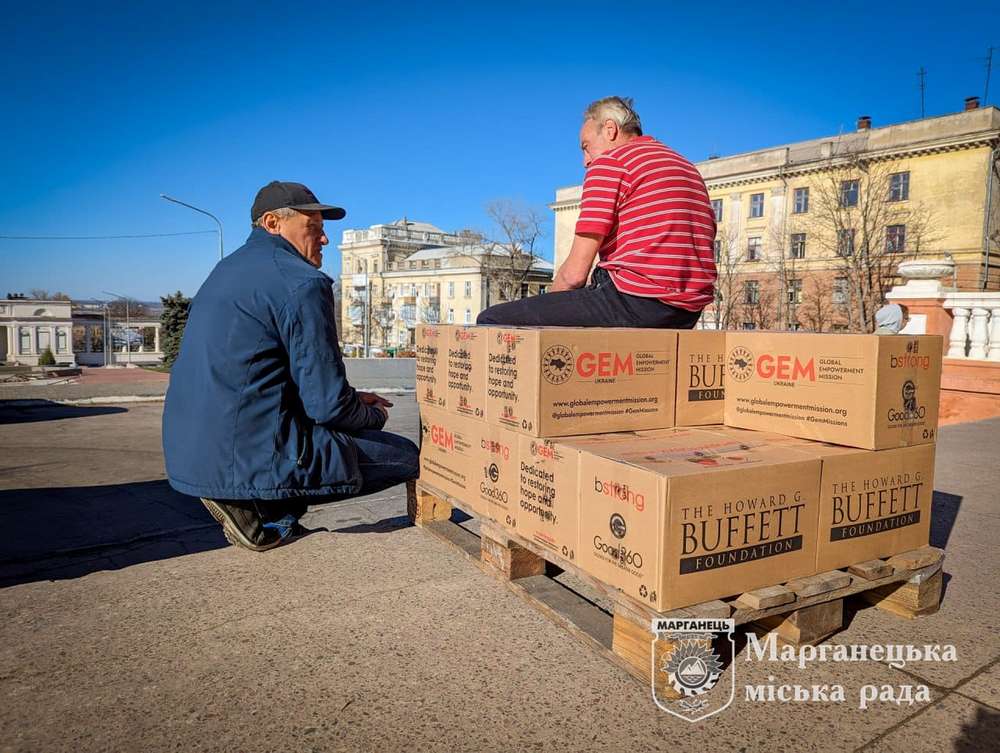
426,110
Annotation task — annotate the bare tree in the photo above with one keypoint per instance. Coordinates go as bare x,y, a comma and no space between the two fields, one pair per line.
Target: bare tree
727,284
819,309
40,294
383,318
509,252
865,232
760,310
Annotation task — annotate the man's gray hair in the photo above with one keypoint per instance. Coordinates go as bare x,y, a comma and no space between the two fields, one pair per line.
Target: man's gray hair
282,212
618,109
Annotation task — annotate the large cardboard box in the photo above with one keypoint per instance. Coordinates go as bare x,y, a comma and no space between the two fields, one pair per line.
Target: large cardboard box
465,357
677,518
873,503
431,364
867,391
701,368
453,455
555,382
548,495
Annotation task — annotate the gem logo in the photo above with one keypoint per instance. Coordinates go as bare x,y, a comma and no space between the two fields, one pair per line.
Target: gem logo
689,658
617,526
740,363
557,364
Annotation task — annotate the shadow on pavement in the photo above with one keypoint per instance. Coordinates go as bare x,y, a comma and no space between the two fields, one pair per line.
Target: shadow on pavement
944,513
981,733
30,411
67,532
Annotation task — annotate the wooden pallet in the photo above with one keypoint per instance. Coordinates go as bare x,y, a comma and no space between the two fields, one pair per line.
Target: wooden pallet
799,612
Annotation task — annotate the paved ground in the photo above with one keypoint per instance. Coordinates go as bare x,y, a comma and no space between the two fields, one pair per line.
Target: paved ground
127,624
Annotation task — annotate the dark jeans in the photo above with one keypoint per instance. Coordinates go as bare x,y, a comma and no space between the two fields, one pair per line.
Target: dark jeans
600,304
385,460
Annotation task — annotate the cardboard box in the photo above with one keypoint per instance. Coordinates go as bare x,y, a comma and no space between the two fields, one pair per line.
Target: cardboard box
555,382
452,455
678,518
431,365
465,357
548,495
873,504
701,368
867,391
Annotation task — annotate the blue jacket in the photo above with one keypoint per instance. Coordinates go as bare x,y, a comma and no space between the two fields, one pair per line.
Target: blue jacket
258,402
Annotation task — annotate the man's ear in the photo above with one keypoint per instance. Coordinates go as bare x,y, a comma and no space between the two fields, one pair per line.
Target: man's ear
271,222
610,129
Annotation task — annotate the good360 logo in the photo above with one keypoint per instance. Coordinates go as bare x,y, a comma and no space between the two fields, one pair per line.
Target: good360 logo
911,411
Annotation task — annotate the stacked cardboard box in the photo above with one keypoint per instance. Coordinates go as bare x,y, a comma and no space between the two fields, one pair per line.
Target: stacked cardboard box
607,447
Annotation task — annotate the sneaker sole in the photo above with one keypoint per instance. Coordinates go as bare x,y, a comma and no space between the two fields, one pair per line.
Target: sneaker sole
232,531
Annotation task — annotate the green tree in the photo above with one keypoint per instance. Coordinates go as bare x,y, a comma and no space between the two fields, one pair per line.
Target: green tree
172,323
45,358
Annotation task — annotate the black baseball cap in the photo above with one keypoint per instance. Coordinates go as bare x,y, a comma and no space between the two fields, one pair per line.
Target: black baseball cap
279,195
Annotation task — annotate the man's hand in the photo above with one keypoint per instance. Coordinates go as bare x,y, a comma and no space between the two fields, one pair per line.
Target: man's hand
376,401
370,398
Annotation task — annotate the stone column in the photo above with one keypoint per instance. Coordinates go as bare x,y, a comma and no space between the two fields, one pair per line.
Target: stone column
978,334
993,351
956,341
156,338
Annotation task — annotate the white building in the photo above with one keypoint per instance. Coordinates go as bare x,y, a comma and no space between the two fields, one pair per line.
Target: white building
76,333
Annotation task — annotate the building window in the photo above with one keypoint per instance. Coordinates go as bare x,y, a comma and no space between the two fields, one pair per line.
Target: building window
899,186
795,291
79,338
757,205
451,316
468,316
717,251
845,242
542,289
848,193
749,325
96,338
800,201
413,288
61,340
25,345
44,339
451,290
798,245
753,249
375,266
468,288
895,239
525,292
717,209
751,292
839,290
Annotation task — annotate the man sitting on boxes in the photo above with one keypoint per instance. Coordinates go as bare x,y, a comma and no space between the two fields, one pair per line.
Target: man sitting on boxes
646,214
259,419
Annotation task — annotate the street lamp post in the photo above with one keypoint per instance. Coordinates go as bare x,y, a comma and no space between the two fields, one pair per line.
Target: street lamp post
189,206
128,324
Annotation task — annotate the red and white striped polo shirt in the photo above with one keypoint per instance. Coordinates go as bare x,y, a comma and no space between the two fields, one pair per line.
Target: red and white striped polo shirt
652,208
